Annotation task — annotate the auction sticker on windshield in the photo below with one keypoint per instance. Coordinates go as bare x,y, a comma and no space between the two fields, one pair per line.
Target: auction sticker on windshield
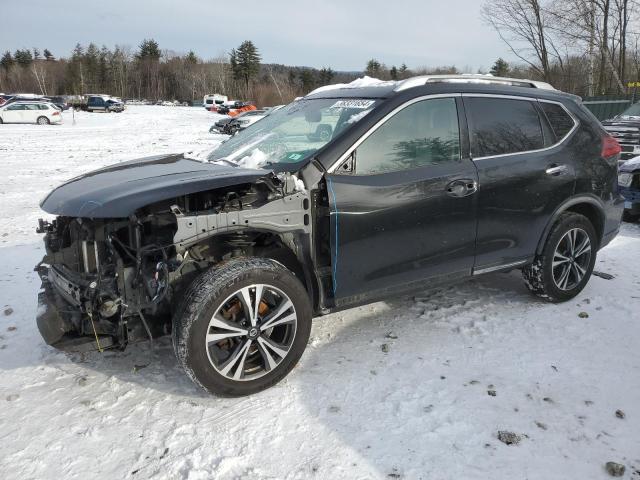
353,104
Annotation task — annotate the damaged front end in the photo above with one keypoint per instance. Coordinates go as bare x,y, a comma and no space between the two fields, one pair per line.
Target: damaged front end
99,283
108,282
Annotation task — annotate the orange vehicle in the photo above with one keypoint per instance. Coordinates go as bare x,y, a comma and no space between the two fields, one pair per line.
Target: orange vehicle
236,108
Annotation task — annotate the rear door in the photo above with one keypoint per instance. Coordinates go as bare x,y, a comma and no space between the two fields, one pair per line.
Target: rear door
31,113
403,203
523,175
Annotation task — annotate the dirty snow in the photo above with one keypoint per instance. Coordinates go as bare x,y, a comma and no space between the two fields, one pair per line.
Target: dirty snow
399,389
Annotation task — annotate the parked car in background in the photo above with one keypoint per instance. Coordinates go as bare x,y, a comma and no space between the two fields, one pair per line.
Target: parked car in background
58,101
104,103
244,120
629,184
42,113
625,128
30,98
230,125
421,182
236,108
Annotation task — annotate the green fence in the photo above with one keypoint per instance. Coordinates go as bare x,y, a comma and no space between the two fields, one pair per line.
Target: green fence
606,107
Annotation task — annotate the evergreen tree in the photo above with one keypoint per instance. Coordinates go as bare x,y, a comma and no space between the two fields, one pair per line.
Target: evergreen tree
245,62
191,58
23,57
48,55
149,50
373,68
104,68
326,75
308,80
404,72
7,61
36,54
393,73
500,68
91,67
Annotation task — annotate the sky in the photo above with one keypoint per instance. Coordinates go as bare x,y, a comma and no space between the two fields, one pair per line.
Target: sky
341,34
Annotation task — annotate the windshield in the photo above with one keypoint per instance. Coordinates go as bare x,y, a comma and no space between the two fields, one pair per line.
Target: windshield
632,111
292,133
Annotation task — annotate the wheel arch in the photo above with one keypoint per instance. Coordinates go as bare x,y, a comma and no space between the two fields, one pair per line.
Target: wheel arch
587,205
293,253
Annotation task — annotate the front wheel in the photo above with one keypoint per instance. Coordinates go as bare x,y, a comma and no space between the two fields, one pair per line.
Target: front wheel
564,267
242,327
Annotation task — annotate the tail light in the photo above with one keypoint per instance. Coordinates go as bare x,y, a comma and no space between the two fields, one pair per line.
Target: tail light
56,113
610,148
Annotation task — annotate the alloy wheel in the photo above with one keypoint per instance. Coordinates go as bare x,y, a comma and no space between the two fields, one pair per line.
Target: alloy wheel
571,259
251,332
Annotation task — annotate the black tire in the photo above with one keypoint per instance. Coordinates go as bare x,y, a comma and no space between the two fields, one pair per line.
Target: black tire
203,299
42,121
539,276
626,216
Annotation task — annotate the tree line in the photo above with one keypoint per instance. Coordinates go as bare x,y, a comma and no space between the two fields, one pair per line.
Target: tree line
587,47
152,73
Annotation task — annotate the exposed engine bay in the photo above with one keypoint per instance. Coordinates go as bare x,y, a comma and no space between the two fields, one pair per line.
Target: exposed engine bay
109,282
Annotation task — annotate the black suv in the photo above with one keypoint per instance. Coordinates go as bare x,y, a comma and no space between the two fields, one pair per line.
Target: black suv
414,184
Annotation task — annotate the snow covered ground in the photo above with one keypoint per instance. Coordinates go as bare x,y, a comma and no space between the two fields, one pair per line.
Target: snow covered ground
414,388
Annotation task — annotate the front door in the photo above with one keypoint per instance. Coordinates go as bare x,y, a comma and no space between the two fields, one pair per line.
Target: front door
13,113
403,209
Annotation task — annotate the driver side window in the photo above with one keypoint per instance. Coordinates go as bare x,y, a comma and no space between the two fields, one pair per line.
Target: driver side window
424,133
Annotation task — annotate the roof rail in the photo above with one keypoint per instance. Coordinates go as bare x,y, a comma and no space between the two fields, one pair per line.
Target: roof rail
470,78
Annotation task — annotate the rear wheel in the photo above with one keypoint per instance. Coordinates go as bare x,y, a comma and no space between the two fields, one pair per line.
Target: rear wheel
564,267
42,121
241,327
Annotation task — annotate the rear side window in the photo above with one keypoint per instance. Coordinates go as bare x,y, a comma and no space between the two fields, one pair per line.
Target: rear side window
501,126
424,133
560,121
42,106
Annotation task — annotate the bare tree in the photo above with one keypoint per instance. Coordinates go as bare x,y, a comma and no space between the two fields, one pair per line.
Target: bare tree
522,25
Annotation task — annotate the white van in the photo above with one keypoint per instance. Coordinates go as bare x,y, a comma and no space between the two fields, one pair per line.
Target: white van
211,102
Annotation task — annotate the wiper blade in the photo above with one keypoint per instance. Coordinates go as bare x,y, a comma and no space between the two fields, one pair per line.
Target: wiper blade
228,162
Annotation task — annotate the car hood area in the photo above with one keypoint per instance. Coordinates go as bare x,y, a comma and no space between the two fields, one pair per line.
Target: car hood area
119,190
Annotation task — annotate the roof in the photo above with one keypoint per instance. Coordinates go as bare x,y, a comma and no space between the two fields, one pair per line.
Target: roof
371,88
471,78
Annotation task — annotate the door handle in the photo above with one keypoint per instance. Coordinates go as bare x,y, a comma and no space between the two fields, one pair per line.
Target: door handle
556,170
461,187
